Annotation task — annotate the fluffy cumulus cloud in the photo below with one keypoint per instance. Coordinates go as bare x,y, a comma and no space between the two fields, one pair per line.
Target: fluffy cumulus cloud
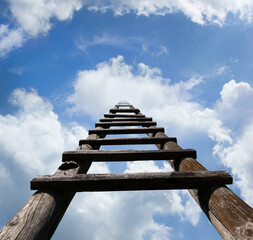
31,143
239,158
235,109
235,106
33,18
201,12
114,80
228,124
34,138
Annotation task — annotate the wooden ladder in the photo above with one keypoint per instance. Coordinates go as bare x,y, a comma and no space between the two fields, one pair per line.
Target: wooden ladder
228,213
128,181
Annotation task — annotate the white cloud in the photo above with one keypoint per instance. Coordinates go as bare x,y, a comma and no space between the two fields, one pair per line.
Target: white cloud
188,211
114,80
239,158
34,138
223,69
17,70
155,50
4,177
121,215
35,17
10,39
107,39
198,11
31,143
233,60
235,108
146,166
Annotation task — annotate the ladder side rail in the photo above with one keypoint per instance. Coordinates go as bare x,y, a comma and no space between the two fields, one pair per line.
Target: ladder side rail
42,213
230,215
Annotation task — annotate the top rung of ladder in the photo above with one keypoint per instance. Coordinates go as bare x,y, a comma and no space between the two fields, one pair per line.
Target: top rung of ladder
124,105
113,115
124,110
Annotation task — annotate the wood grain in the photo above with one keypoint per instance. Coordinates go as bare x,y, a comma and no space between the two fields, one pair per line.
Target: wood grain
232,217
126,141
126,155
125,123
132,181
40,216
125,131
125,119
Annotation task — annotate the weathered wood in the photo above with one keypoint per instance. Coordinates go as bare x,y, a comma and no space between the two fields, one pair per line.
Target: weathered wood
102,132
232,217
130,123
40,216
126,141
132,181
125,110
126,155
125,119
112,115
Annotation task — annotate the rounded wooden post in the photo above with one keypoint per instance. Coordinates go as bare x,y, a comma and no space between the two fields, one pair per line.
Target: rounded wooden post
40,216
230,215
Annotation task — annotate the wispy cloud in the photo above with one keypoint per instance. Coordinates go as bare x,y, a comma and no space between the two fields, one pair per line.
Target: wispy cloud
107,39
233,60
223,69
17,70
155,50
10,39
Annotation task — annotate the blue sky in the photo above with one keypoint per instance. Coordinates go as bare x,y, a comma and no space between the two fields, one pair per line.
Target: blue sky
188,64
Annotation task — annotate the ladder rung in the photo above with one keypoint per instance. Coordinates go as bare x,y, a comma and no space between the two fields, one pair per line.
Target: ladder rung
126,155
126,130
125,141
112,115
125,119
132,181
125,110
108,124
123,105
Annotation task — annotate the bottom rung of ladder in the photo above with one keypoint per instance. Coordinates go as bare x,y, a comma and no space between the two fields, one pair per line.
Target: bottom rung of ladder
131,181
